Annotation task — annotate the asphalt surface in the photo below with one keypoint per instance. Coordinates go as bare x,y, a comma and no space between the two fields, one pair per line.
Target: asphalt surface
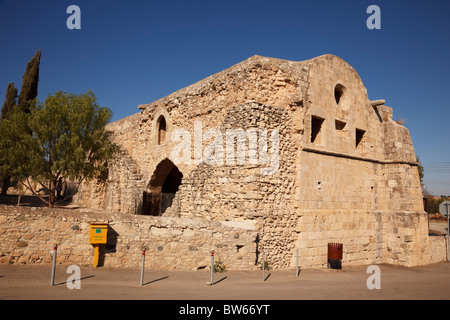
32,282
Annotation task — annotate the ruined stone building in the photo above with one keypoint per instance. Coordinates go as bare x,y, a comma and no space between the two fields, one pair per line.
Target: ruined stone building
284,155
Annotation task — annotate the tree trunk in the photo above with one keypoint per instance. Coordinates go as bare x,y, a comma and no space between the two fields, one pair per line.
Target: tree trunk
6,183
51,194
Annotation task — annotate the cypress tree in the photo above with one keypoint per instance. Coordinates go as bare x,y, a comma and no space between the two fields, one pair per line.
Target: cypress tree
30,81
28,92
10,100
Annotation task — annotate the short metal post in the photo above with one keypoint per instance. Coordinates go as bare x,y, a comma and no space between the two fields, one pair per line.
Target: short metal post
96,255
448,234
52,280
212,268
296,265
263,266
142,267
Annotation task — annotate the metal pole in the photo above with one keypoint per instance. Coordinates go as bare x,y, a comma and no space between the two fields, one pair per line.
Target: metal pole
142,267
52,280
263,267
96,255
212,268
448,235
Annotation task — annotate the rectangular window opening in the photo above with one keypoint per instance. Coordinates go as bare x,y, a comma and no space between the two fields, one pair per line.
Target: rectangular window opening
359,137
316,126
339,125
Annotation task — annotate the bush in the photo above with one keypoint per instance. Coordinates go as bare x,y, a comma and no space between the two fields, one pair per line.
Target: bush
219,266
267,265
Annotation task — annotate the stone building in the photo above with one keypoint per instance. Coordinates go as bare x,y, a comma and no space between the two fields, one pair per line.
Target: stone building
292,152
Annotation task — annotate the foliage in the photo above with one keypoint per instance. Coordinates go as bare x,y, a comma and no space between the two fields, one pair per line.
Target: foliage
267,265
219,266
64,137
434,202
14,141
28,94
421,173
30,80
8,105
10,100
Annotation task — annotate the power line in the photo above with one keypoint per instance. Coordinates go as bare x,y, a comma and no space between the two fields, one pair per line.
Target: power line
436,167
438,162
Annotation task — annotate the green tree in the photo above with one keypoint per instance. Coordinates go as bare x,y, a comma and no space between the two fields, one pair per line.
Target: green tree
28,94
68,140
8,105
434,202
421,173
10,100
30,80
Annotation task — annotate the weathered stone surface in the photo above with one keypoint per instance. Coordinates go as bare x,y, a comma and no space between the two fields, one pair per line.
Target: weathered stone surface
127,236
346,172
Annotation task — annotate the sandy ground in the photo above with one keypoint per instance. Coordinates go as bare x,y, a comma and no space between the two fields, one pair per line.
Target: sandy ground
32,282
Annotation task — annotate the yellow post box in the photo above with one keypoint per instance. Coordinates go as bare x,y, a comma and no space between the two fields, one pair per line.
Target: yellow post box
98,235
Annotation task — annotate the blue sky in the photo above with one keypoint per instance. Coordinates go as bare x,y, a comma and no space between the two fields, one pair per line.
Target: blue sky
134,52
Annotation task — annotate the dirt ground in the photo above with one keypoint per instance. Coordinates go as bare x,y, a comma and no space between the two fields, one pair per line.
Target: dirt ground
32,282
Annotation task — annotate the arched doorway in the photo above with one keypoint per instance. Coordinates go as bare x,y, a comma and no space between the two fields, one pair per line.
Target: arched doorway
163,186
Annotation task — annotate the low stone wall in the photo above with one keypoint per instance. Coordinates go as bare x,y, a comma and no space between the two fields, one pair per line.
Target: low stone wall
437,249
396,238
27,236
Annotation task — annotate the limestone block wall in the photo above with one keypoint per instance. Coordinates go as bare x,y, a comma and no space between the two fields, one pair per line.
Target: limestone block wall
269,81
242,192
399,238
27,236
347,172
257,79
357,178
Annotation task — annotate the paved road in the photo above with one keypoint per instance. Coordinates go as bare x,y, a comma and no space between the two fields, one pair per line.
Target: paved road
441,227
32,282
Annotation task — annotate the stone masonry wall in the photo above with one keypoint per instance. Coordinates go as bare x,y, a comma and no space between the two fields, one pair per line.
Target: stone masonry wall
347,171
368,238
241,192
27,236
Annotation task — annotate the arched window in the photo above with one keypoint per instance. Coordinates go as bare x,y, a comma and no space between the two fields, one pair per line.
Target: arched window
161,126
338,92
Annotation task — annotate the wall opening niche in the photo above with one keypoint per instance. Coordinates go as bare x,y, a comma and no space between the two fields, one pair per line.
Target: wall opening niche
316,129
339,125
339,90
359,137
162,128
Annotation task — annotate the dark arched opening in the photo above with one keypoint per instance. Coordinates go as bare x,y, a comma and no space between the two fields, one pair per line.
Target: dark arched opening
164,185
339,90
161,125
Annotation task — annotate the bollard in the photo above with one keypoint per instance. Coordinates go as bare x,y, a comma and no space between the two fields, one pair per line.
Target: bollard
52,280
448,233
142,267
263,266
212,268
